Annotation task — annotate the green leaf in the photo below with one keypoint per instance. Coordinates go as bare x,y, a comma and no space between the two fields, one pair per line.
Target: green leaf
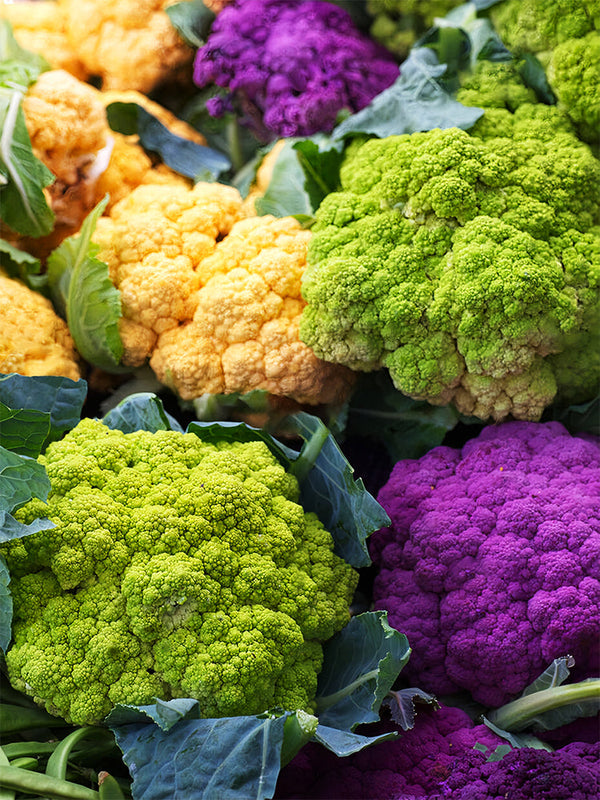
328,488
580,418
83,293
23,206
547,703
184,156
416,101
24,431
20,264
164,713
141,411
285,194
360,666
320,159
6,607
42,397
517,739
21,478
192,21
12,54
408,428
345,743
234,758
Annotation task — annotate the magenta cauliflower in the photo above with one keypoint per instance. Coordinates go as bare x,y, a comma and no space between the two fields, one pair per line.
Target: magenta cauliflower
490,565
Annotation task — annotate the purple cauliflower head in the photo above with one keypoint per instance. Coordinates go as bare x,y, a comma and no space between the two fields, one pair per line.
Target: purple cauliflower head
413,765
490,566
290,66
572,772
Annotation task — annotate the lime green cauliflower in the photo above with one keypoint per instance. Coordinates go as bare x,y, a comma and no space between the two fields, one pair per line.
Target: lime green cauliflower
176,568
397,24
466,263
565,36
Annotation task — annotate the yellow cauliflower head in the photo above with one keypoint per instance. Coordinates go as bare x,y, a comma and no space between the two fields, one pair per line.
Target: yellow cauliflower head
220,292
127,44
34,340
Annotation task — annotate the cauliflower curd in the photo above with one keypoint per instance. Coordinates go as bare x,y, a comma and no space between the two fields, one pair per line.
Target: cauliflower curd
176,568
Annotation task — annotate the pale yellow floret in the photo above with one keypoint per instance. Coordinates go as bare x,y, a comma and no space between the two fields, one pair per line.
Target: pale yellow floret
34,340
127,44
221,292
40,26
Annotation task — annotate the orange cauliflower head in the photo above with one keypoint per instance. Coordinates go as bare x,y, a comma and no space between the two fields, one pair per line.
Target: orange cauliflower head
219,292
34,340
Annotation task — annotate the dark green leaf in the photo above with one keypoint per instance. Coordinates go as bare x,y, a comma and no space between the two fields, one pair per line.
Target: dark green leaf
59,397
140,411
164,713
6,607
581,418
184,156
11,529
408,428
534,76
329,489
320,159
234,758
285,194
192,21
85,295
360,666
21,478
24,430
298,730
517,739
416,101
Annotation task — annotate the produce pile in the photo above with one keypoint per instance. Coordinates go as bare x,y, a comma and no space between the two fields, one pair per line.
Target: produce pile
300,399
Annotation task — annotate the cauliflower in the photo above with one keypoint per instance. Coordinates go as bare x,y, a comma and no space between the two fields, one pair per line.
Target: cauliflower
40,26
128,44
490,566
34,340
176,568
290,66
564,36
467,264
69,133
125,44
444,755
213,316
397,24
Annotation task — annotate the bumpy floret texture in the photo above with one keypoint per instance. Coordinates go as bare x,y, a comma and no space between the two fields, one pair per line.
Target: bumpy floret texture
34,340
176,568
564,36
490,566
437,759
290,66
464,263
523,774
214,316
397,24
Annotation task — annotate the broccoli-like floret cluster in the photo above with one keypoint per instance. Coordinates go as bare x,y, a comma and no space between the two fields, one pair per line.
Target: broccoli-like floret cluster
397,24
468,264
564,36
176,568
490,565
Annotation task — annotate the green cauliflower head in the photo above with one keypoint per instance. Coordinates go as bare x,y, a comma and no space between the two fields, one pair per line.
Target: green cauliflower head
467,264
176,568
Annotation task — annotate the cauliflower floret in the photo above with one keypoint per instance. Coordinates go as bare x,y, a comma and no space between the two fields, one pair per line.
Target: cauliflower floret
176,568
35,340
128,44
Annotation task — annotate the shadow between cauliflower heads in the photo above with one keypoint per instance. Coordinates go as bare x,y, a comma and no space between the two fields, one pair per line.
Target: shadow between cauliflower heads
176,568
